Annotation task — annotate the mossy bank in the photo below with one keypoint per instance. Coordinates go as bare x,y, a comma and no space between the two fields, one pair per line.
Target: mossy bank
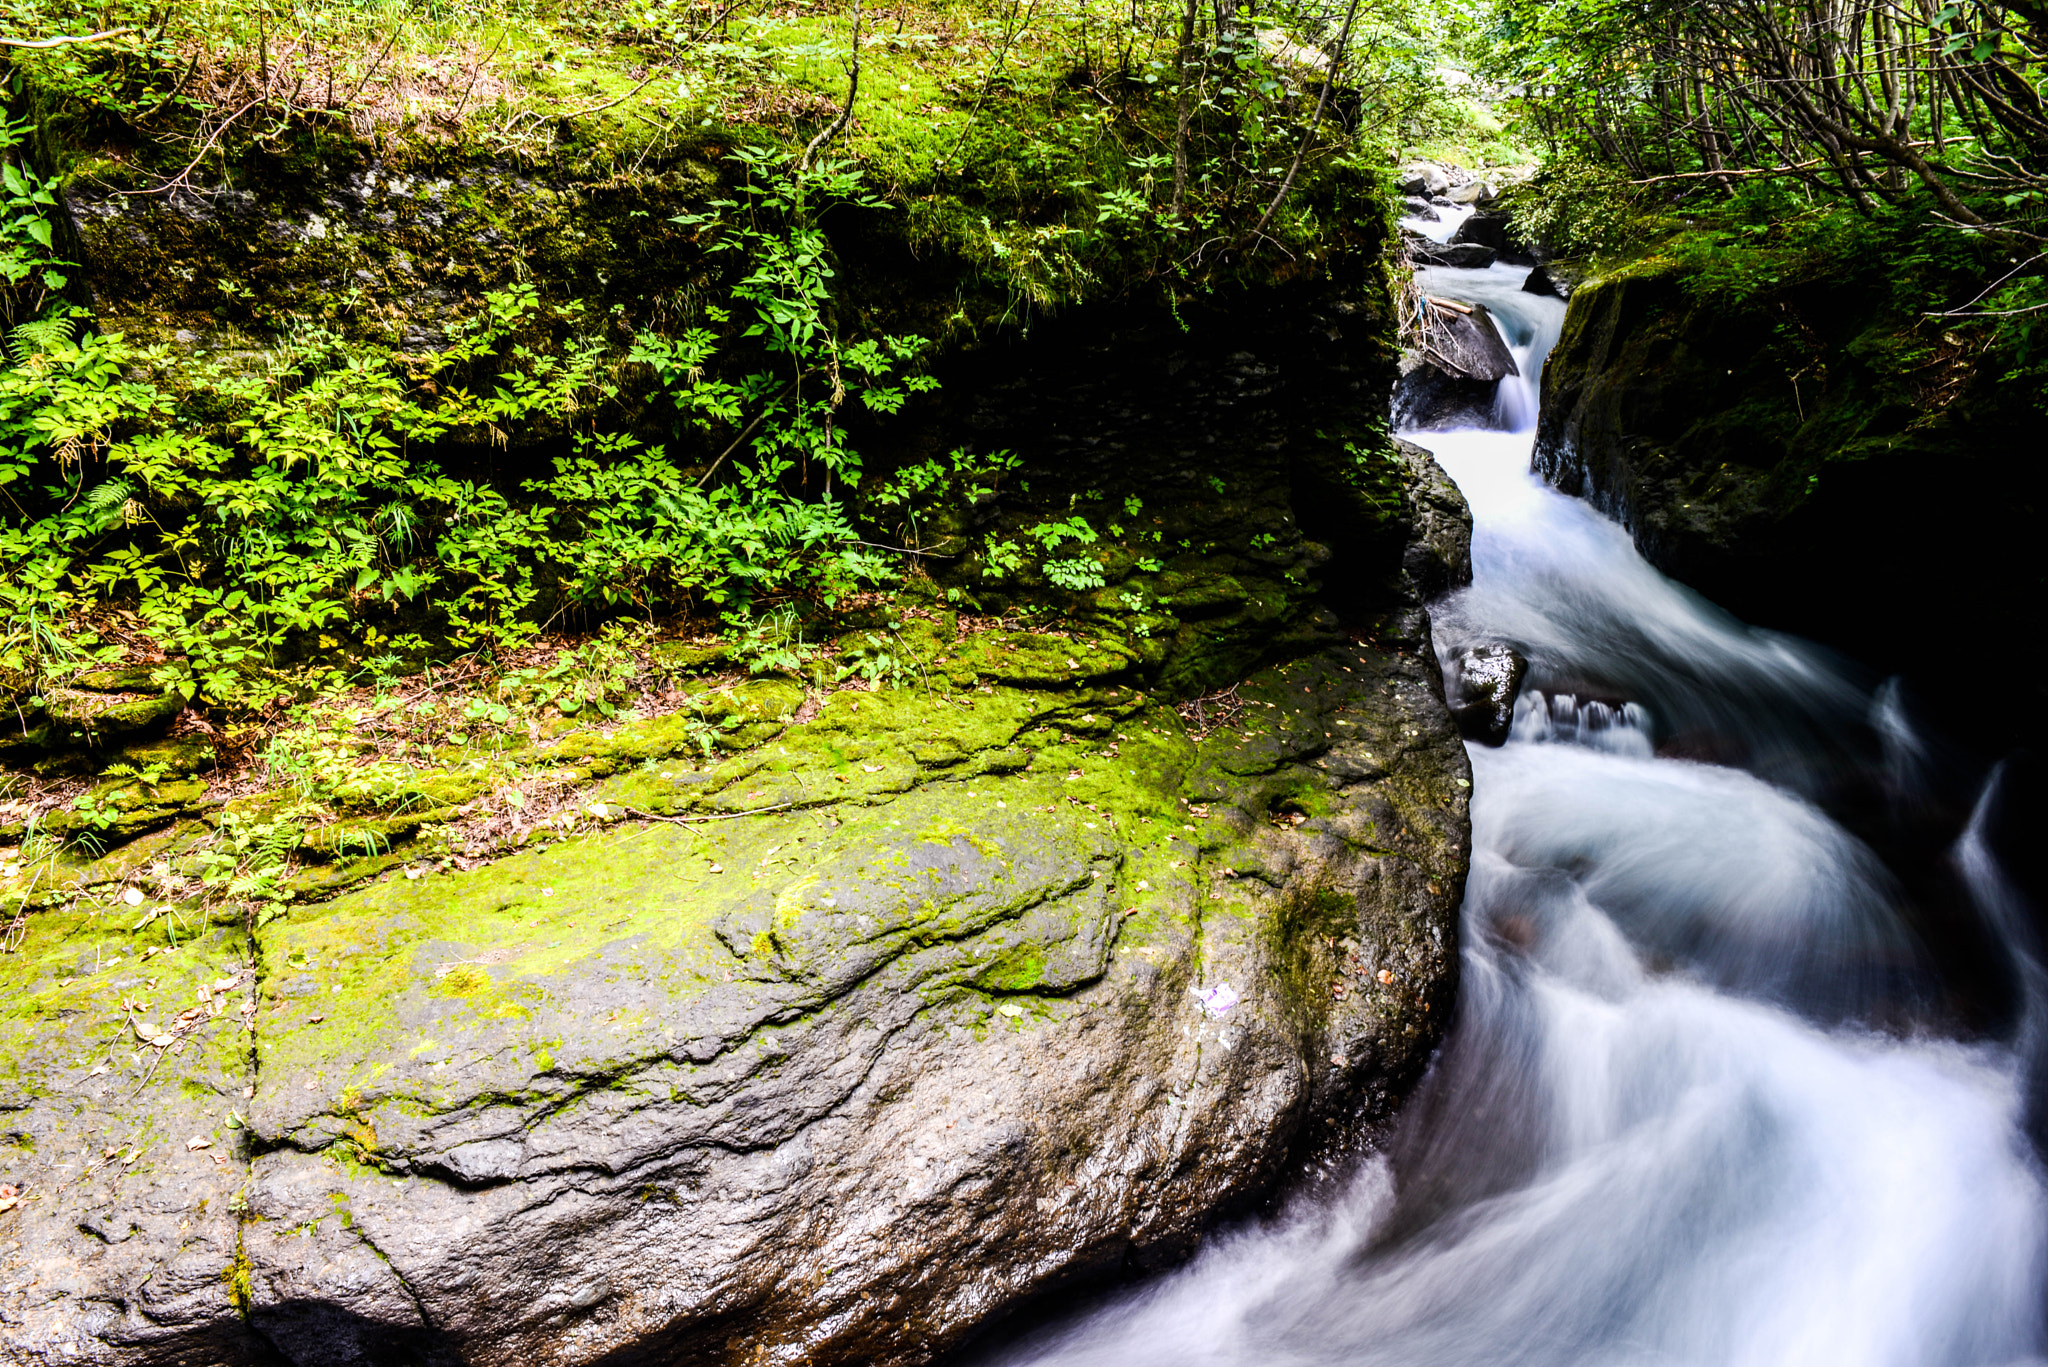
817,992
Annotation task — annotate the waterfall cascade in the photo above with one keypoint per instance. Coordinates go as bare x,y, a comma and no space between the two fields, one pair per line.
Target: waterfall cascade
1694,1109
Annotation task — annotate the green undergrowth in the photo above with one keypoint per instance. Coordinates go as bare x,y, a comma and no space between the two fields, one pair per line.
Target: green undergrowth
1032,147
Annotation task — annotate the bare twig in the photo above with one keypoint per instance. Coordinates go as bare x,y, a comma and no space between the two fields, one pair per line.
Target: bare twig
475,72
831,130
182,177
692,820
745,432
600,108
66,41
1315,121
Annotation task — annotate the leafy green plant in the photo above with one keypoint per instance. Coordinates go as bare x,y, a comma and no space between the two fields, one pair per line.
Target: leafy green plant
249,861
774,643
30,271
879,659
301,500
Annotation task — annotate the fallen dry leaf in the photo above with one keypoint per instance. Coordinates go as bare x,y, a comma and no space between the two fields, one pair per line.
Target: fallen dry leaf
132,896
194,1144
718,868
162,1042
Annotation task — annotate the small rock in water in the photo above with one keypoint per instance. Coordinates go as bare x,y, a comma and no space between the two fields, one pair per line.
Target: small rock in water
1471,256
1481,692
1424,179
1541,281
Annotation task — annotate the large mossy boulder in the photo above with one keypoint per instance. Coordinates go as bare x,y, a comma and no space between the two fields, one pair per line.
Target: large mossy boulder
972,997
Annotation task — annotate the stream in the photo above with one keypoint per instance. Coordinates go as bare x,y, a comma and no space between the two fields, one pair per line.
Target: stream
1698,1105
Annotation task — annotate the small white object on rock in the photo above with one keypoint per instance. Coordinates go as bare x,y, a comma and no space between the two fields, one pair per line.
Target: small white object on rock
1218,1000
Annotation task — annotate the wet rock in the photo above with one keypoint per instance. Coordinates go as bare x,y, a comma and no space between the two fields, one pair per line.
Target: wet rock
1804,508
1425,179
1476,192
1495,229
634,1095
1439,554
1543,280
1480,685
1463,342
1428,400
1452,380
1463,255
1421,208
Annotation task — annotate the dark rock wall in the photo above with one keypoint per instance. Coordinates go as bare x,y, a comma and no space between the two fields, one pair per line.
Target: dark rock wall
1817,465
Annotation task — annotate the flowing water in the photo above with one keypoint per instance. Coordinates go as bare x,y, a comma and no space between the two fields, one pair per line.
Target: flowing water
1696,1108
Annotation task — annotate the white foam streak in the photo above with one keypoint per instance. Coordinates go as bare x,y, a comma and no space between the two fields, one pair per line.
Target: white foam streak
1449,218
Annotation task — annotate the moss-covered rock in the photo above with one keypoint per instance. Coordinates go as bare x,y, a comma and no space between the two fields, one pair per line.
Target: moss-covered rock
958,994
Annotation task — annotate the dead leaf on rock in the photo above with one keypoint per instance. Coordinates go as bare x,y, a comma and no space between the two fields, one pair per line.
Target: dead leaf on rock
196,1143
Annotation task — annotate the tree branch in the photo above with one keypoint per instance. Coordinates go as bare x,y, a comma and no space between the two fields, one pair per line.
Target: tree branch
99,37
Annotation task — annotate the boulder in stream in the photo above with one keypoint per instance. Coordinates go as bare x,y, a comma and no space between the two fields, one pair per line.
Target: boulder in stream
1496,229
1450,381
1543,280
1481,683
1424,178
1470,256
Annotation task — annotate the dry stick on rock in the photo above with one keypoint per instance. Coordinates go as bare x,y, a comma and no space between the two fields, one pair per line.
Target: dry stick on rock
693,820
1315,122
831,130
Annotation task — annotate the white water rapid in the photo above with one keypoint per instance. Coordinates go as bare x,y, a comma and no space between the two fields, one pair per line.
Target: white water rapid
1693,1110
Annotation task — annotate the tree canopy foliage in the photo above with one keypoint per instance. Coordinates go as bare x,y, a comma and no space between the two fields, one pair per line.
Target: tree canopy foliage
1884,102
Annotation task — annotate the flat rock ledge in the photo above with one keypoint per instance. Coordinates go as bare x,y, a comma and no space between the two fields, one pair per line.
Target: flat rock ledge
975,995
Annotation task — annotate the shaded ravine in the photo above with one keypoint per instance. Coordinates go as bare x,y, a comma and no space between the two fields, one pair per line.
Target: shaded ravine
1704,1102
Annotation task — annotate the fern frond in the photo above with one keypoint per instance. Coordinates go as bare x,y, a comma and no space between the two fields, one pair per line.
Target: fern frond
40,336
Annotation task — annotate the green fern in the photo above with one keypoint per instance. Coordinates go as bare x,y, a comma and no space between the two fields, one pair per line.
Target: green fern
42,336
